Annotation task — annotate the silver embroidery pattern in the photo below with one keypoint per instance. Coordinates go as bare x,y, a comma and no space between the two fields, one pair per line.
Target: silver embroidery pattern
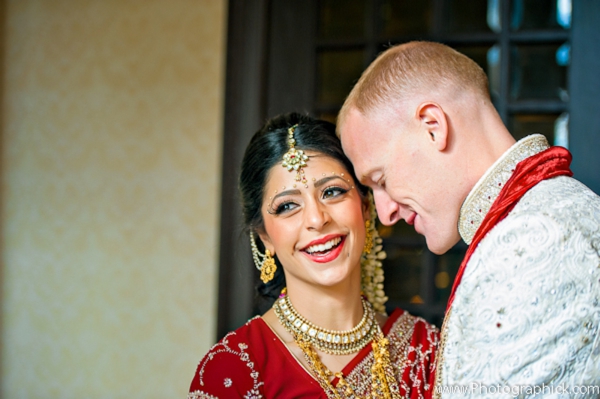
200,395
224,347
419,372
527,311
486,190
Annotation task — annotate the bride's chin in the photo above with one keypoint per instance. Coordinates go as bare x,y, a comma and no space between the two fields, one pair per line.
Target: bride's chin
339,277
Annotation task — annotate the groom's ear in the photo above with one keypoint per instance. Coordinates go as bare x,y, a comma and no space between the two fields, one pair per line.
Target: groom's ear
434,124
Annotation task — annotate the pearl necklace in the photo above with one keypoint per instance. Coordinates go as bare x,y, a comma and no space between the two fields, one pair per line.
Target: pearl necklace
328,341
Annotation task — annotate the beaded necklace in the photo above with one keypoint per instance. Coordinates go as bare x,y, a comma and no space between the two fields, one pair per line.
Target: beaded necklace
309,336
328,341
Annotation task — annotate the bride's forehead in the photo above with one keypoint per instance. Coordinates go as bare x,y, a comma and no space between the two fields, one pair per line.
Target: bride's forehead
317,166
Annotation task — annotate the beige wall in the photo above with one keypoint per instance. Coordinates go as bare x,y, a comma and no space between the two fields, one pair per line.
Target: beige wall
111,143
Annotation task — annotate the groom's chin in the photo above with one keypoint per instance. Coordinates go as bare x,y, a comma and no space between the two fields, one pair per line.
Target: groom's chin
439,245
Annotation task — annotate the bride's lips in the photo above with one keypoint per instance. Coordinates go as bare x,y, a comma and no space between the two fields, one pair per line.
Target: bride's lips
330,255
411,219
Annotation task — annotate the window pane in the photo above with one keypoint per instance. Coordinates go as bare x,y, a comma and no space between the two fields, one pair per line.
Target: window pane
337,71
536,73
488,59
540,14
341,19
405,17
561,130
402,269
522,125
404,262
445,272
468,16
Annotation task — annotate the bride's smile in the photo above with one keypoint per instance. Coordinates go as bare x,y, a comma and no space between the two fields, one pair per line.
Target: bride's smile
315,229
315,246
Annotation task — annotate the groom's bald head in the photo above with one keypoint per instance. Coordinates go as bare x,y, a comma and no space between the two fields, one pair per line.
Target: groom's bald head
410,70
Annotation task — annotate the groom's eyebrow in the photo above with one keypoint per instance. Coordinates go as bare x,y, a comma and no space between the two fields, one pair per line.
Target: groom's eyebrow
367,177
364,176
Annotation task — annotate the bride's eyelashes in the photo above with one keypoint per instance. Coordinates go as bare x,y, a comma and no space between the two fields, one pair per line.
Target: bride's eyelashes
284,207
288,205
333,191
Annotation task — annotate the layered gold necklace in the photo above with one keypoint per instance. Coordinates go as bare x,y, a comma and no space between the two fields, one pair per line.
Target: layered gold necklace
328,341
308,336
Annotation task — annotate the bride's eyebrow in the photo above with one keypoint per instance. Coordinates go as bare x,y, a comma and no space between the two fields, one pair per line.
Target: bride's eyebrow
283,193
325,180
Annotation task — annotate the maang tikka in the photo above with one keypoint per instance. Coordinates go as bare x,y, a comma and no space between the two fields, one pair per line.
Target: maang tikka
295,159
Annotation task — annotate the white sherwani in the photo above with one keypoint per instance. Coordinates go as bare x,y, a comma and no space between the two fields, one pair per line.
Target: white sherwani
525,317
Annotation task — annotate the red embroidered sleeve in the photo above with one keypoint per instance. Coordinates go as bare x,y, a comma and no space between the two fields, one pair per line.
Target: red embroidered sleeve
424,346
419,359
227,371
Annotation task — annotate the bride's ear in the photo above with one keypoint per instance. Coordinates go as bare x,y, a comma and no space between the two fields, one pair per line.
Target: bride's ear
266,240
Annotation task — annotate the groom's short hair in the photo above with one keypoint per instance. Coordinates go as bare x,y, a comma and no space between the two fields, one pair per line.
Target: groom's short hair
411,68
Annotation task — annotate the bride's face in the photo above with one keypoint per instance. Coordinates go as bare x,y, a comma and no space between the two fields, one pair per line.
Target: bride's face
317,232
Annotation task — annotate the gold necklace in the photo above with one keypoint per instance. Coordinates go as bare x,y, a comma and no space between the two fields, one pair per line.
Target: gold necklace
383,380
329,341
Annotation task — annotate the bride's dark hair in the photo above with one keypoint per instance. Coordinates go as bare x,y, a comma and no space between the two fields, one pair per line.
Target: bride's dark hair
265,151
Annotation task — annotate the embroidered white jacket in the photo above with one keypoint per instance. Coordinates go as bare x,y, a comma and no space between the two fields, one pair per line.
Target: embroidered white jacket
525,318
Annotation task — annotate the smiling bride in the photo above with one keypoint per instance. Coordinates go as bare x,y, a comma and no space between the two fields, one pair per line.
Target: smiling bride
313,238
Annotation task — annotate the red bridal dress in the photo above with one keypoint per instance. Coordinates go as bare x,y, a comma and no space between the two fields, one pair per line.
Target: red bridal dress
252,362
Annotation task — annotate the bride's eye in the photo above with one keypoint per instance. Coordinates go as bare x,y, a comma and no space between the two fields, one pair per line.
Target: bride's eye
334,191
285,207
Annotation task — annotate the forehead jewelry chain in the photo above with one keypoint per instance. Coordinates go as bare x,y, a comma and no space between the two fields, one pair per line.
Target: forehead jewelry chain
295,159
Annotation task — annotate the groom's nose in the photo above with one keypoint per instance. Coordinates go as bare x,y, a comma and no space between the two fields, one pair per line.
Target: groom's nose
388,210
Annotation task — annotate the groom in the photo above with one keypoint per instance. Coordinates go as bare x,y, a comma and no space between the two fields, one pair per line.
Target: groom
524,312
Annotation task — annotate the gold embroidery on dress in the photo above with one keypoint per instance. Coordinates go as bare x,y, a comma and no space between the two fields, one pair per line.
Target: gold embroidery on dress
360,378
486,190
400,336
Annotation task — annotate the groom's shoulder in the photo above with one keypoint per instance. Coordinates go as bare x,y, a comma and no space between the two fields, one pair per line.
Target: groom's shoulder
563,199
558,219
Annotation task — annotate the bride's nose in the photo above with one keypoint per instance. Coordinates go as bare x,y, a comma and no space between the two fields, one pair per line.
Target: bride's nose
316,215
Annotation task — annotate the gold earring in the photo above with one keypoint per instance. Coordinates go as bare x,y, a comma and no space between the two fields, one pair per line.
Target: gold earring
267,265
268,269
368,238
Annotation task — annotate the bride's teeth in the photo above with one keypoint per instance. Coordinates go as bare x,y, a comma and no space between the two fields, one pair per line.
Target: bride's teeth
324,247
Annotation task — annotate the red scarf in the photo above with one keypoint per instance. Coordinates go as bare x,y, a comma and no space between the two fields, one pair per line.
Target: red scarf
547,164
